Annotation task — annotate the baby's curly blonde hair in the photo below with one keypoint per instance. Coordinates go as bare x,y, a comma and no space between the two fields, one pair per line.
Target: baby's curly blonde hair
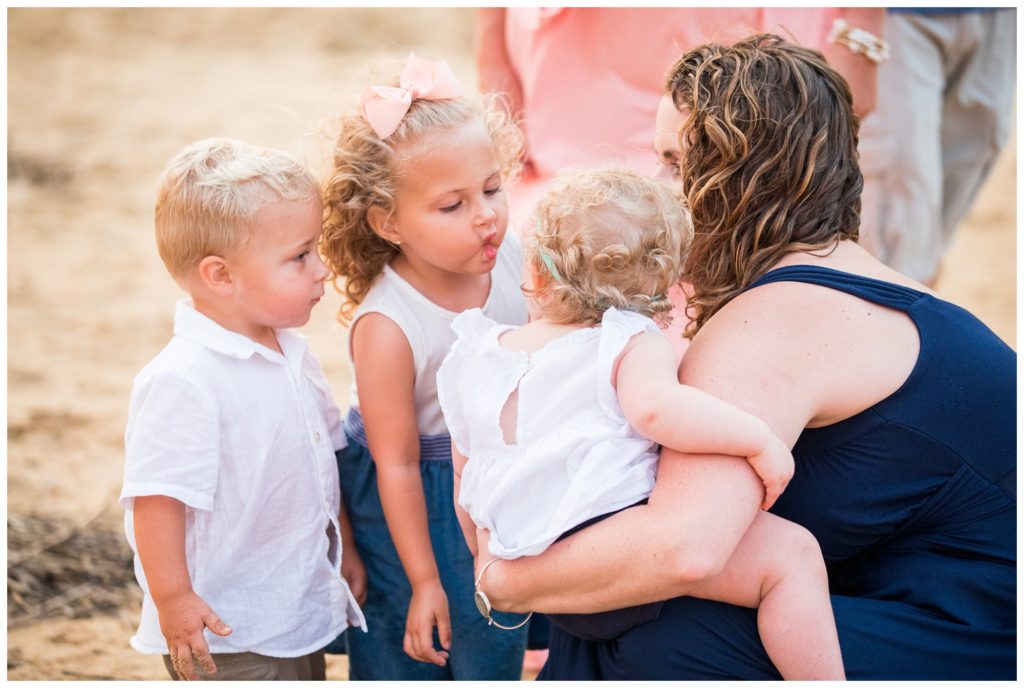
613,238
364,173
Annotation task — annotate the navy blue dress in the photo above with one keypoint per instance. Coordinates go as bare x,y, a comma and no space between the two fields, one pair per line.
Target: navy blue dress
913,501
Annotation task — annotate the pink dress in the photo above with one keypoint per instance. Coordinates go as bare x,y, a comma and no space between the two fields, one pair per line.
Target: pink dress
590,78
587,81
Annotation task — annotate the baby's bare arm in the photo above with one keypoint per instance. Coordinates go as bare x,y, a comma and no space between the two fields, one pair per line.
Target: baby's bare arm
692,421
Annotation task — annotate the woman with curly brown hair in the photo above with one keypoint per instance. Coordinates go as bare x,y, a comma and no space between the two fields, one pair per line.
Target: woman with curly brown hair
899,407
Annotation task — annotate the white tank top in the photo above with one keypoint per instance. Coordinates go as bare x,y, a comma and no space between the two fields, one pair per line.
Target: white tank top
428,327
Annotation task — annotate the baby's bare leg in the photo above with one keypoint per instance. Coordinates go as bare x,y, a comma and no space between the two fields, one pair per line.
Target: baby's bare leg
777,568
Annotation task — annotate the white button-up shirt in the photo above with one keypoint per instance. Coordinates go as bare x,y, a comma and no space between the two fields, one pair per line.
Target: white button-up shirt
245,438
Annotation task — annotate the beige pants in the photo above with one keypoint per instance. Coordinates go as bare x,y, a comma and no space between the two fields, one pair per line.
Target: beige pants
249,666
944,111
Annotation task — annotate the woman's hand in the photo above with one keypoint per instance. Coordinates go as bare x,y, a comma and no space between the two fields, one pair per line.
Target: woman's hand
428,608
774,465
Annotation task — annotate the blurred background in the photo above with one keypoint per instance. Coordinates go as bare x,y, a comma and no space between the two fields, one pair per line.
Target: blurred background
98,100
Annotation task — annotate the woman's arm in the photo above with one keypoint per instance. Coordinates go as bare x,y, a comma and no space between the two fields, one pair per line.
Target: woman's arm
701,505
384,366
465,522
660,550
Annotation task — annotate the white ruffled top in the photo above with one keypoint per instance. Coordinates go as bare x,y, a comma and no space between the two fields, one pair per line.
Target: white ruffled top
575,455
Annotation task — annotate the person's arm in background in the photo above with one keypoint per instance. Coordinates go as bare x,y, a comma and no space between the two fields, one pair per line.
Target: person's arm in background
860,72
494,70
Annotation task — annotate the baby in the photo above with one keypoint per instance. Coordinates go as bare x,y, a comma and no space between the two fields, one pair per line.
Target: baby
230,486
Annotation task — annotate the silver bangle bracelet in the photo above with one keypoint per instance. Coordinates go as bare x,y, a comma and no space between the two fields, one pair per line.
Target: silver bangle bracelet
859,41
484,604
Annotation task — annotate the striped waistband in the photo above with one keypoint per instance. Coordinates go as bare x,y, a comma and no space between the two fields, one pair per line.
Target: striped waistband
432,447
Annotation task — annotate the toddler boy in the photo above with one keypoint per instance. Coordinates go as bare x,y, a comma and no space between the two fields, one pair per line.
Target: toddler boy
230,484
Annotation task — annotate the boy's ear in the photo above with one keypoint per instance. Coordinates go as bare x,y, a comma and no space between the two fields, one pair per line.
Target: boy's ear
216,275
382,222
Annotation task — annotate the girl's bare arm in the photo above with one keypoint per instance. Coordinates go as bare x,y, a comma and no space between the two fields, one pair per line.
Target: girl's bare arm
384,370
383,364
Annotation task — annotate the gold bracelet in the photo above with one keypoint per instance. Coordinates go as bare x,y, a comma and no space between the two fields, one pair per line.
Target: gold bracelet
859,41
484,604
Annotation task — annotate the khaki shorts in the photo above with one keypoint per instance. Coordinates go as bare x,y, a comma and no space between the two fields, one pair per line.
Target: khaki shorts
249,666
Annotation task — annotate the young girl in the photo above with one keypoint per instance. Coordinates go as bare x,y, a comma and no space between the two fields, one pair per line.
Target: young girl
555,423
415,233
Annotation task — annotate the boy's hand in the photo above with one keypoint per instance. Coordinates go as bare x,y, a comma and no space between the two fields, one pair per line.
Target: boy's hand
428,607
775,467
354,573
182,620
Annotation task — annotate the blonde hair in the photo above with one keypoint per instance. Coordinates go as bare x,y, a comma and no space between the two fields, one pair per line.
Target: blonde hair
614,238
209,193
364,173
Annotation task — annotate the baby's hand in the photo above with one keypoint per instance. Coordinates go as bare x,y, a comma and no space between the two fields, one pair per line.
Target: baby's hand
428,608
775,467
182,620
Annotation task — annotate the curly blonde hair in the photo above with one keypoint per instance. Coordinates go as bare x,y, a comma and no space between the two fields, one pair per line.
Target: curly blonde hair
769,164
614,238
364,173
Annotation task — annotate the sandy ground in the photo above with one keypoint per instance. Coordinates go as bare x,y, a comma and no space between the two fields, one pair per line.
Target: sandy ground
98,100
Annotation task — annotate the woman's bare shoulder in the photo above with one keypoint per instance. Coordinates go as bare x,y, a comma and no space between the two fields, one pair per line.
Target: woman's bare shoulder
767,321
765,352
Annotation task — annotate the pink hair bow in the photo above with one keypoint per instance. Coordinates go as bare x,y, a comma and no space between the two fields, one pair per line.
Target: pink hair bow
385,106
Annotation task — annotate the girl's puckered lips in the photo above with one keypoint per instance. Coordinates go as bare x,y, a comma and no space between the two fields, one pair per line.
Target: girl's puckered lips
490,246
